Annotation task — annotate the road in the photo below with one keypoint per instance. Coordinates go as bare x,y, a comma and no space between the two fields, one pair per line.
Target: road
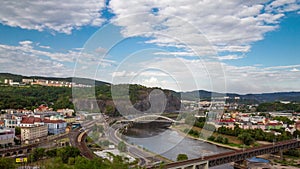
133,150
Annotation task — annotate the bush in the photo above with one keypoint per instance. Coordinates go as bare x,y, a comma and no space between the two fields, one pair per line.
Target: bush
225,141
219,139
182,157
211,138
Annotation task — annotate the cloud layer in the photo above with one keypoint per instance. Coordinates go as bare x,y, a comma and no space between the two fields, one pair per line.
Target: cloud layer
230,26
53,15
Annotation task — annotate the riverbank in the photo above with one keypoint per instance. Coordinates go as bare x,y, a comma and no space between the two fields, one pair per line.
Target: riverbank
147,154
179,130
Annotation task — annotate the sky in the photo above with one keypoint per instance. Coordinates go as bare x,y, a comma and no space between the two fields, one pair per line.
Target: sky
238,46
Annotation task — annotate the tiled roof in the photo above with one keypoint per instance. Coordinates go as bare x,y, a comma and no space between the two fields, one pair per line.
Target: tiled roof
53,121
31,120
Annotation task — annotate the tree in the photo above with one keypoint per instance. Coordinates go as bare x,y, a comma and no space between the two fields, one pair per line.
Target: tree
37,154
105,143
246,138
17,130
122,146
182,157
7,163
67,152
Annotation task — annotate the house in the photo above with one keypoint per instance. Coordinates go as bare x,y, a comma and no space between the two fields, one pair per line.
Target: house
274,125
290,129
257,119
55,126
1,123
66,112
12,120
7,136
42,108
297,125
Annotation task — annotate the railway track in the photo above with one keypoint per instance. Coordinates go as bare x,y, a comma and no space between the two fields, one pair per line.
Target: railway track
81,145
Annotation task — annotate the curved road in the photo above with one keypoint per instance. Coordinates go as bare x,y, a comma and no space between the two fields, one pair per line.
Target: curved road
136,152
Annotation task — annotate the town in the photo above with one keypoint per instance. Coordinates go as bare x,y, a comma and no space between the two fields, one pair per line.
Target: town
42,125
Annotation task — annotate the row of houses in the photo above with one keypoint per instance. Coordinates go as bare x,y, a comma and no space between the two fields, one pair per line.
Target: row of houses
33,125
250,121
43,82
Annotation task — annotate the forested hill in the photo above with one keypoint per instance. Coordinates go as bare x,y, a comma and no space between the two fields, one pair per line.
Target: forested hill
61,97
18,78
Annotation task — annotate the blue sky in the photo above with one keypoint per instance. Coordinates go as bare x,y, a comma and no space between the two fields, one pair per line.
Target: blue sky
227,46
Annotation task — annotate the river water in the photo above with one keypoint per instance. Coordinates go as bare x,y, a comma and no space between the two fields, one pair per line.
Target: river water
169,143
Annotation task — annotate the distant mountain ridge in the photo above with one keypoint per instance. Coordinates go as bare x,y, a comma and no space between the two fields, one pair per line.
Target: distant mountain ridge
246,98
192,95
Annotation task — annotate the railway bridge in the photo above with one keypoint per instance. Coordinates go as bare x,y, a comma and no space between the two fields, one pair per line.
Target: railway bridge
25,149
233,156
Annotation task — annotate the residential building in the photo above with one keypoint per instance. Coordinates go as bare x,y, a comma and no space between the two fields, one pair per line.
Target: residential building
66,112
282,114
27,81
7,136
42,108
33,134
70,119
257,119
274,125
10,123
32,129
55,126
31,121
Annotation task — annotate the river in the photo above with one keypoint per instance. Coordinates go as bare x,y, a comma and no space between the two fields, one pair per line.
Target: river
169,143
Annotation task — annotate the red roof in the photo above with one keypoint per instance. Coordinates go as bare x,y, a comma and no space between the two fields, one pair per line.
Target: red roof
274,124
31,120
227,120
53,121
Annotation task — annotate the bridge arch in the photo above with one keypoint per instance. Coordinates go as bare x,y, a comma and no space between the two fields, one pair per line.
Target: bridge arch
152,117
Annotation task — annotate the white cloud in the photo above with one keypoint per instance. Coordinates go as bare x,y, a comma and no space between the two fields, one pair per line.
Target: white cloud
295,70
45,47
21,60
176,53
28,48
25,43
123,74
29,59
230,57
284,6
185,75
226,25
56,15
